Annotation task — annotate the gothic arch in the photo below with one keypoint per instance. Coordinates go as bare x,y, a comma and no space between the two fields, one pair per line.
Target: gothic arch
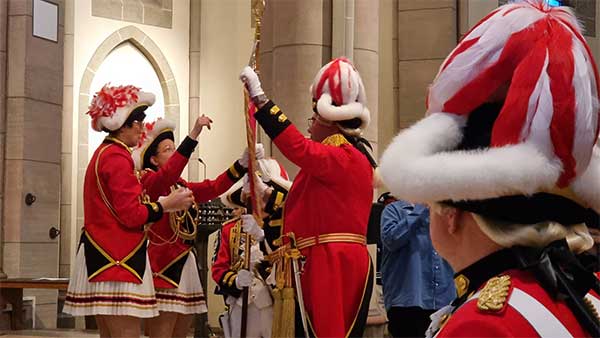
159,62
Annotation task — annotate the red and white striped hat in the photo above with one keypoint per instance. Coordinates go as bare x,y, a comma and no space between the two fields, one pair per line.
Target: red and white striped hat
540,139
112,105
339,94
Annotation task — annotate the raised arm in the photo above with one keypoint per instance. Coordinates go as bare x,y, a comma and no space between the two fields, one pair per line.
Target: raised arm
399,221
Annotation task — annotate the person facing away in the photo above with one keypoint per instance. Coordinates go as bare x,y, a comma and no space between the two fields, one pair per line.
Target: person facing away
416,280
507,159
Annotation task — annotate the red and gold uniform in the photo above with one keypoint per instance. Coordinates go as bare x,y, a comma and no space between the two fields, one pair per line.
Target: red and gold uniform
114,207
167,251
496,299
230,253
226,260
328,210
111,274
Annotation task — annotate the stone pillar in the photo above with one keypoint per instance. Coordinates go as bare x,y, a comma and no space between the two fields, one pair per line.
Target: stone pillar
3,34
301,45
195,170
33,153
366,59
427,32
387,117
68,245
265,65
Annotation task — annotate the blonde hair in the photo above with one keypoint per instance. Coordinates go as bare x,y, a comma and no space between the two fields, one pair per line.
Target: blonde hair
537,235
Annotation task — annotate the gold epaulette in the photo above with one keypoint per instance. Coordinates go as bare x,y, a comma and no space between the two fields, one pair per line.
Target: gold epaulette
492,297
335,140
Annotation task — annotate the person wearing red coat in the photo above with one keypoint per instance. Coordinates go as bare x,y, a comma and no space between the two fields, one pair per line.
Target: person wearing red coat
179,292
507,158
227,269
111,278
328,205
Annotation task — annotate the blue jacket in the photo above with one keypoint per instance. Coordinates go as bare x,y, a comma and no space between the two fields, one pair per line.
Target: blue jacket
412,271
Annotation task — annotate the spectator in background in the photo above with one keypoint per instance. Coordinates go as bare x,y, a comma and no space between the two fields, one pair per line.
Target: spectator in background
416,280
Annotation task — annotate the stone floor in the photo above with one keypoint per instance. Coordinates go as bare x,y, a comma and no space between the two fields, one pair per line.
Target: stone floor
55,333
49,333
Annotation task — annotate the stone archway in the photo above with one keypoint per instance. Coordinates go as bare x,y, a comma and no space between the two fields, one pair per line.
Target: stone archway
159,62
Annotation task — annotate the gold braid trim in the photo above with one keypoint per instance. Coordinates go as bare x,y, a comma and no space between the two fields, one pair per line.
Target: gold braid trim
114,262
167,279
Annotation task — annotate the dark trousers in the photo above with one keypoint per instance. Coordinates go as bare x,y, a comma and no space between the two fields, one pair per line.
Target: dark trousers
408,321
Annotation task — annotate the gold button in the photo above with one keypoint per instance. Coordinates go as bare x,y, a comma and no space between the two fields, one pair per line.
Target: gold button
274,110
282,118
118,262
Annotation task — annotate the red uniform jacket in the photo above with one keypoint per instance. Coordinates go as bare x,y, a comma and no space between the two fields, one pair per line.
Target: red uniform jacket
158,183
331,194
222,272
113,228
515,317
470,321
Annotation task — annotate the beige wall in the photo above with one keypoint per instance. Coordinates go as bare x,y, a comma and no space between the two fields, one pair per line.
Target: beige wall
225,46
226,42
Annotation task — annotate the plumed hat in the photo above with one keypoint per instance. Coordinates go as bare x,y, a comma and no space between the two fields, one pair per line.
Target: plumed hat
111,106
511,125
154,133
339,94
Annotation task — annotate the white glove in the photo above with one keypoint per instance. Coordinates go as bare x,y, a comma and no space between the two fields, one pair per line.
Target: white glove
244,279
259,185
260,154
260,151
180,199
251,227
252,82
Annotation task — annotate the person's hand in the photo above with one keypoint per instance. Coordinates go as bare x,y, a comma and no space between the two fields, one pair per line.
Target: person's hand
260,151
252,82
244,279
259,186
245,158
250,227
201,122
180,199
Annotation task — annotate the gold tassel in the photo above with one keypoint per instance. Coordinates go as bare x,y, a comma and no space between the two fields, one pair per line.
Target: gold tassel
277,308
288,315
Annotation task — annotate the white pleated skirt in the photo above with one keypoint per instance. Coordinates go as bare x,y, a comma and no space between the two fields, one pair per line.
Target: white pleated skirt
188,298
86,298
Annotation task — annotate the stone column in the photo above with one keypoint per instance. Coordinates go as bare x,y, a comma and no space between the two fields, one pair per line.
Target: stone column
33,153
301,45
195,170
366,59
3,34
67,243
427,32
265,65
387,116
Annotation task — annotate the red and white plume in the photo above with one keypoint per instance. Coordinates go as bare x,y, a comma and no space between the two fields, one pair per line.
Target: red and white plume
545,133
111,106
340,94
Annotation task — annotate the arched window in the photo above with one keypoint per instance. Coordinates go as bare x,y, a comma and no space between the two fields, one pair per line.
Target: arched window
124,65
